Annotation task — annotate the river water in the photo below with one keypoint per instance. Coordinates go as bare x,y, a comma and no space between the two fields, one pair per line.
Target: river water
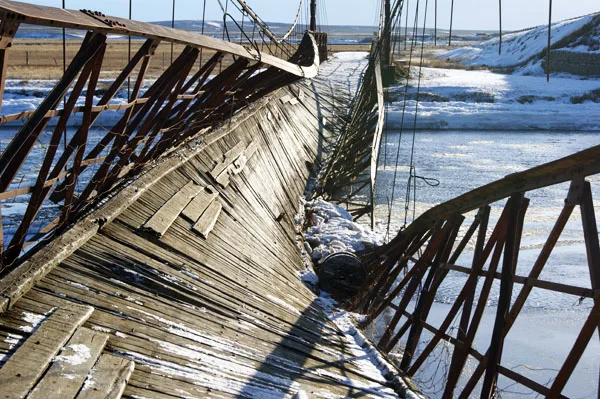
550,322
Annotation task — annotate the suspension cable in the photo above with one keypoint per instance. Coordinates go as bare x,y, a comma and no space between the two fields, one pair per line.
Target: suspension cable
406,25
404,105
451,21
412,151
129,57
64,49
549,42
500,27
172,26
435,25
202,31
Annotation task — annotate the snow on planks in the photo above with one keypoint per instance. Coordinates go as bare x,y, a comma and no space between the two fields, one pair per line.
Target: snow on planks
44,366
223,315
70,369
23,369
108,378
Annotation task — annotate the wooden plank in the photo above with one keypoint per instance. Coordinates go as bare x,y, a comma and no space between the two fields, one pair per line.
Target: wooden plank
196,208
108,379
21,372
207,221
70,369
237,166
160,222
228,158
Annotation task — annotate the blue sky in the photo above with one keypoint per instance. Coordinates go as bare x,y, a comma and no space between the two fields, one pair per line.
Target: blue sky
469,14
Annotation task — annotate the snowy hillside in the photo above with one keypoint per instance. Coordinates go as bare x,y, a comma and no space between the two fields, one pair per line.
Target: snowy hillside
451,99
520,48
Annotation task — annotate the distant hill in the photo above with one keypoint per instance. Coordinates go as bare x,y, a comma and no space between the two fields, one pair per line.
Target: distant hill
529,46
211,28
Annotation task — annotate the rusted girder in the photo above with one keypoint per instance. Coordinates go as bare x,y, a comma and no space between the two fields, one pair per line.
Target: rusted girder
182,103
386,290
82,20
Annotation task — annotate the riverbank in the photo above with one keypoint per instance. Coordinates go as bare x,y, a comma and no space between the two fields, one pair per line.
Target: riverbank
452,99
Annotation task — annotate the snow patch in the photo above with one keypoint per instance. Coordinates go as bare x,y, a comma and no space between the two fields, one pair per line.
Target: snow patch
80,354
517,47
101,329
12,340
284,304
331,229
528,102
366,356
34,319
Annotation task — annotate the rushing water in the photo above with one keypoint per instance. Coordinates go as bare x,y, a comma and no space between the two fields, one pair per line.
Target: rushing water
548,326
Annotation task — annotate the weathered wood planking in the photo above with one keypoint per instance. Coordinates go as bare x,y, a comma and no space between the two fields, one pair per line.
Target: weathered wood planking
108,378
196,208
23,369
70,369
228,158
209,218
160,222
225,316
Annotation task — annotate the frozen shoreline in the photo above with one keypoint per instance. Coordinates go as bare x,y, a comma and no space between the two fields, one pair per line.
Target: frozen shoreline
452,99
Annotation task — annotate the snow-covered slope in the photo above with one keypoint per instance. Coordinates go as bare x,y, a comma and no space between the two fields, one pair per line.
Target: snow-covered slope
453,99
521,47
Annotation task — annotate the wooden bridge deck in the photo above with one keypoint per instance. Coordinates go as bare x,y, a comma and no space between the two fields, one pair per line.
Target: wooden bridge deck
213,306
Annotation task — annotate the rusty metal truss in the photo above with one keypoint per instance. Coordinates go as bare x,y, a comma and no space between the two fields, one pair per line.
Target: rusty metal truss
416,263
190,96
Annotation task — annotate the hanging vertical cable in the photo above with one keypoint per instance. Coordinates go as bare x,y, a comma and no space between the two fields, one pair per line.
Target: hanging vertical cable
406,26
404,106
435,26
64,49
500,27
549,42
202,31
313,15
451,21
172,26
129,58
412,151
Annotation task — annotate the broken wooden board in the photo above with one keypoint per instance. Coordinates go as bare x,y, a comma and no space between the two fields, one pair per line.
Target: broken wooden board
228,158
209,218
108,379
160,222
21,372
70,369
196,208
236,166
218,317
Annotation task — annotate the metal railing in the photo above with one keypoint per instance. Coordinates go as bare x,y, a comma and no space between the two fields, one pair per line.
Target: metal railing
351,169
74,169
408,272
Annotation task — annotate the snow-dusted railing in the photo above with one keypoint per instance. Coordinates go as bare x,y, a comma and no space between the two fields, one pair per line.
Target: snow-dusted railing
357,148
73,169
405,275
